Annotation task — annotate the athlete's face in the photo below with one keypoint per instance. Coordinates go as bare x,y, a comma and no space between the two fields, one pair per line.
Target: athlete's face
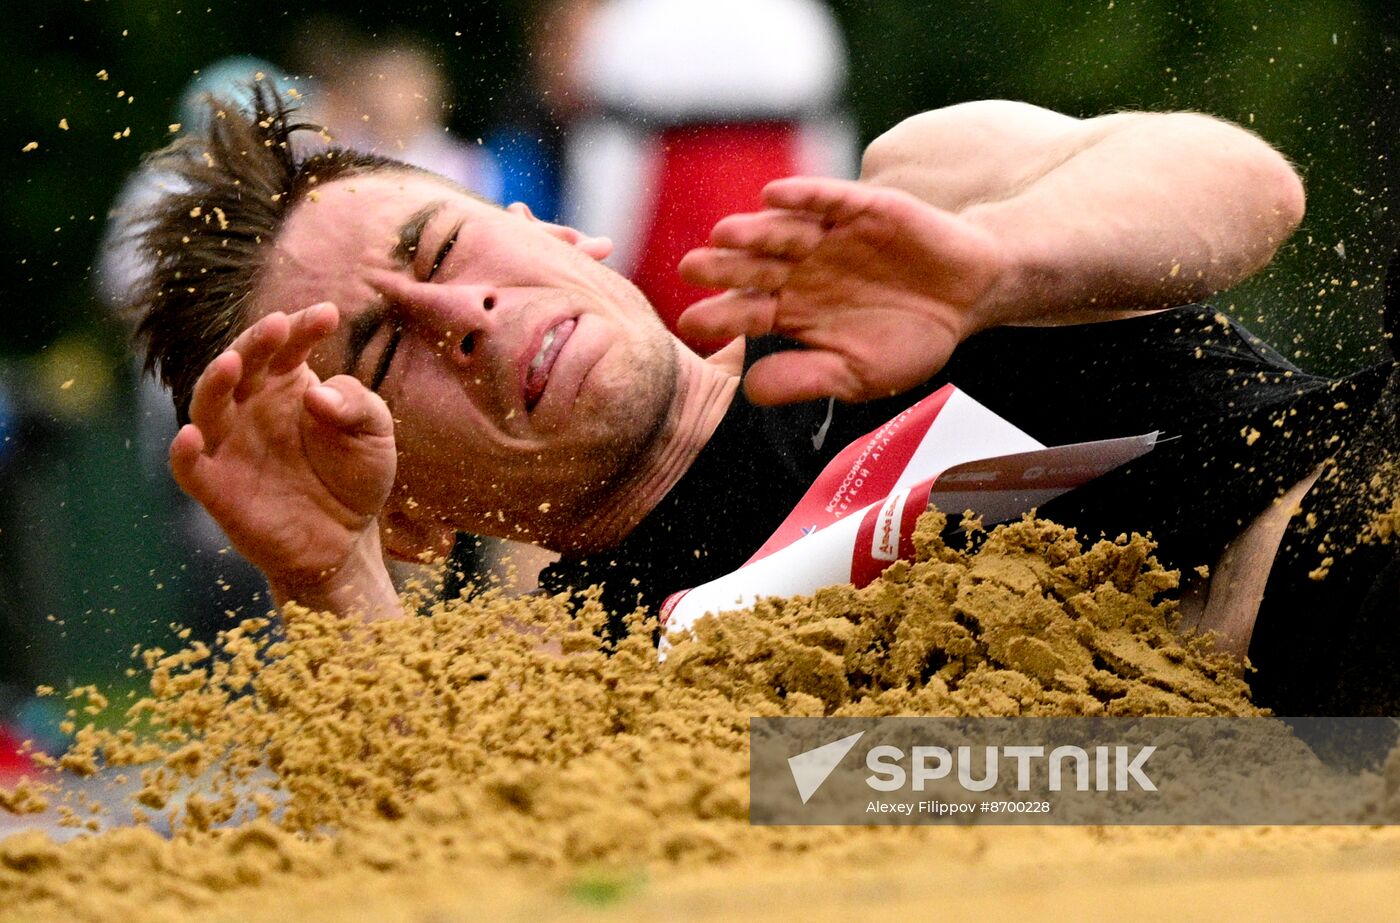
524,377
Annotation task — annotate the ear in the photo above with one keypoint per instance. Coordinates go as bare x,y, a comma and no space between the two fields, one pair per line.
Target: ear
597,248
410,540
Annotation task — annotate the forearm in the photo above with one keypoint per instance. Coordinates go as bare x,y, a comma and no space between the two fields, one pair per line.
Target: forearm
1125,211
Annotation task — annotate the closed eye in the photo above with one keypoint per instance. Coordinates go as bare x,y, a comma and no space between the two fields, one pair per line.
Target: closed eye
386,358
381,369
443,252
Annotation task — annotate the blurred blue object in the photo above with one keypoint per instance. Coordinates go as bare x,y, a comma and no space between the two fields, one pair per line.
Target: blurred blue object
9,424
38,720
230,79
529,164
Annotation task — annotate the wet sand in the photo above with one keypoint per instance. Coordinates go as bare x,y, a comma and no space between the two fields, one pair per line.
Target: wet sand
488,760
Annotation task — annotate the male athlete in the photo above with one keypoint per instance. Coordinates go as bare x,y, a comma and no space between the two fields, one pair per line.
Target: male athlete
370,359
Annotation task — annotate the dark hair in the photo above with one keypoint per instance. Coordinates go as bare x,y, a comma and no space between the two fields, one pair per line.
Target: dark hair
227,193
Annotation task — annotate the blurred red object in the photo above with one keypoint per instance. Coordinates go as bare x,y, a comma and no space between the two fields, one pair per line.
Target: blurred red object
12,759
706,173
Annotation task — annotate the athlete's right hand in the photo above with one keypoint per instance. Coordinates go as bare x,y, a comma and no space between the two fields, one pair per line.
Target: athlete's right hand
294,469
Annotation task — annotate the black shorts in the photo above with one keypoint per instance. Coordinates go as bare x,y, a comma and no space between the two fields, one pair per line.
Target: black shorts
1327,640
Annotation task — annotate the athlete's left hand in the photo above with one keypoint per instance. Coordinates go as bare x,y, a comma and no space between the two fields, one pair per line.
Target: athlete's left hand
877,284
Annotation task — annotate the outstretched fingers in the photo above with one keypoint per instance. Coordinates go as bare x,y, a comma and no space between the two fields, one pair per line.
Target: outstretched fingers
835,201
306,328
275,345
732,314
187,460
257,345
802,375
211,402
777,233
714,267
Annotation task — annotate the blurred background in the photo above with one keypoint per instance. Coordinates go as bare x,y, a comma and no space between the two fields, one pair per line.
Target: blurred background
597,111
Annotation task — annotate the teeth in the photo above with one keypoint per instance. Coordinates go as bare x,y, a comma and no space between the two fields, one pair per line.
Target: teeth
537,362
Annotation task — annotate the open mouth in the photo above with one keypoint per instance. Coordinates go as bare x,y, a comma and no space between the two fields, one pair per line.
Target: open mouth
537,373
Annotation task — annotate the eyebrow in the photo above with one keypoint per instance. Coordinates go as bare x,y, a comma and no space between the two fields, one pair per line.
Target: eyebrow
411,234
361,328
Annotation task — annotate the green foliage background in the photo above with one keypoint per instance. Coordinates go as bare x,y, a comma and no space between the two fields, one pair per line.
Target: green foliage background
1315,77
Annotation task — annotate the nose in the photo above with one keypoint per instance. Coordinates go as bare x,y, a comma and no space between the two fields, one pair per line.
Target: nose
456,316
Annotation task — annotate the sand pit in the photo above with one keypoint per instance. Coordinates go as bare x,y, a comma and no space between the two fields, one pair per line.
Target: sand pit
488,760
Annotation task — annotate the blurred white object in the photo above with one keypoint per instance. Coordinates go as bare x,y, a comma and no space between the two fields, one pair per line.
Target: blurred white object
688,60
